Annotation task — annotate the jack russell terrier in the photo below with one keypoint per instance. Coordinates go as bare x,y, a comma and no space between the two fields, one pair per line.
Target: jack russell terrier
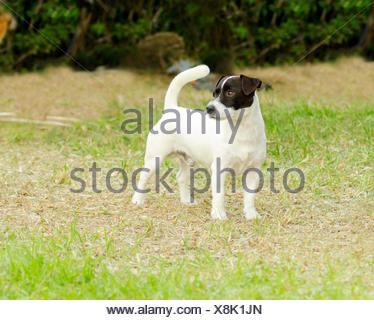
198,139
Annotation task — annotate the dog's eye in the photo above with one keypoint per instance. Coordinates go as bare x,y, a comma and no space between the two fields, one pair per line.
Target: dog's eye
230,93
216,92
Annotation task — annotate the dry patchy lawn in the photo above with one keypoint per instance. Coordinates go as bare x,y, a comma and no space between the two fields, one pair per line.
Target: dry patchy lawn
315,244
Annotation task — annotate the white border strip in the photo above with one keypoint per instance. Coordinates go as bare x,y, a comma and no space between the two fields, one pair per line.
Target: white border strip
62,118
20,120
5,114
270,309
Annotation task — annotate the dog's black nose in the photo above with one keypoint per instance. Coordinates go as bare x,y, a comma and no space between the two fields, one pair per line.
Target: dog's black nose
210,109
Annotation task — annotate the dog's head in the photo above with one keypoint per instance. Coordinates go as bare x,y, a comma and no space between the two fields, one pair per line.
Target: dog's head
232,94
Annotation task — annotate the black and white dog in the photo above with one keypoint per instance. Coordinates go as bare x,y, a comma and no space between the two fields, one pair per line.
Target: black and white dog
198,140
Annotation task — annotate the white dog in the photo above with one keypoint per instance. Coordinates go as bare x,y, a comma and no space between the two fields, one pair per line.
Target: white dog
229,137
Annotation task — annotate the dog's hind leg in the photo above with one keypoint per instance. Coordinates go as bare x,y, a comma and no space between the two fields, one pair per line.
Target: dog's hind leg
183,179
140,191
145,173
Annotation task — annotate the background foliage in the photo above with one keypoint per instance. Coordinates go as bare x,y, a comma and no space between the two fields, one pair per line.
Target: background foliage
245,31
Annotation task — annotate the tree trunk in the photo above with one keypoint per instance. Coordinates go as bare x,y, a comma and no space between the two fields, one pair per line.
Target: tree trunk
78,40
368,34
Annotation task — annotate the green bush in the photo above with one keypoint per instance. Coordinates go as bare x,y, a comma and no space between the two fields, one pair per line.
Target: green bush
246,31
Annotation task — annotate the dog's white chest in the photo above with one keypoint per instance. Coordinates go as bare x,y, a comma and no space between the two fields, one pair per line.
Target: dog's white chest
242,158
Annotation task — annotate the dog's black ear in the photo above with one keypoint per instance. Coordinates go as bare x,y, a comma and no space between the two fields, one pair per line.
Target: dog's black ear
219,80
249,85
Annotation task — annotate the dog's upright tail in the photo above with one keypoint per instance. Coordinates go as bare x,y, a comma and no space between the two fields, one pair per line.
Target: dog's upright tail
176,85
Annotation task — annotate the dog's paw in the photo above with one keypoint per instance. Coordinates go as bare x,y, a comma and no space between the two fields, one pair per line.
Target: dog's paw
138,199
252,214
218,214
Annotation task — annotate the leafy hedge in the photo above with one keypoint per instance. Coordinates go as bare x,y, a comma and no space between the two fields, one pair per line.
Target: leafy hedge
248,31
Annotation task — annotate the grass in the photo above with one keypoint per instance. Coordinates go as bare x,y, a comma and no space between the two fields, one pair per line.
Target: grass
317,244
74,271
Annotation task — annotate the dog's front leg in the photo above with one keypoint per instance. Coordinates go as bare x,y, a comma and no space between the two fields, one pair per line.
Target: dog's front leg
218,193
251,185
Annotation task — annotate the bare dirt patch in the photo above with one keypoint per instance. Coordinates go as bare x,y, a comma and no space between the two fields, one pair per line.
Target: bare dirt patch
342,82
298,227
61,91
